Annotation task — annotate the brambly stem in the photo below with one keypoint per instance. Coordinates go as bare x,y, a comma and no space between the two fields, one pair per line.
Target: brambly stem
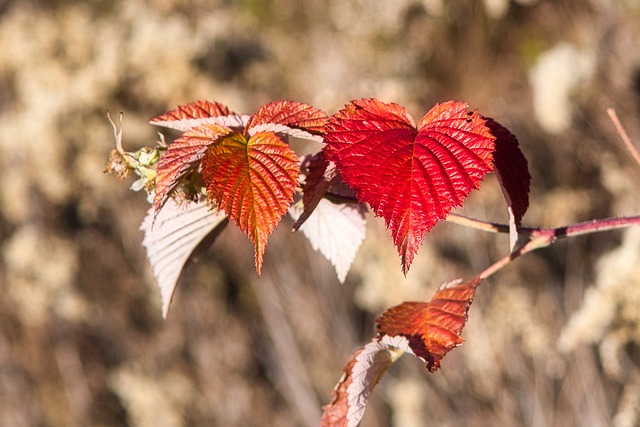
544,237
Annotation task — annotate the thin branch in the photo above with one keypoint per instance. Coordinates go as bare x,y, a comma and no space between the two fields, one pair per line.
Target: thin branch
596,226
623,134
543,237
478,224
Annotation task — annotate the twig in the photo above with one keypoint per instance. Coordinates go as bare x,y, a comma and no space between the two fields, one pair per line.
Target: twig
543,237
478,224
623,134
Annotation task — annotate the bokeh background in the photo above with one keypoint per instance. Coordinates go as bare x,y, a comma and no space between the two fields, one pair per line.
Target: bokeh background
552,340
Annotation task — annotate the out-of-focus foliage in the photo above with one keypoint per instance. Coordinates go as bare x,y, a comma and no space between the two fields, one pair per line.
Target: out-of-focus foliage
81,338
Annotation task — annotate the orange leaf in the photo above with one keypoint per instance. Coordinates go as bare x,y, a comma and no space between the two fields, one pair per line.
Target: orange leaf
181,158
430,330
253,181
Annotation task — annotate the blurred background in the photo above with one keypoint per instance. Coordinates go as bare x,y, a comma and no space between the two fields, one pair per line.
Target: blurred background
552,340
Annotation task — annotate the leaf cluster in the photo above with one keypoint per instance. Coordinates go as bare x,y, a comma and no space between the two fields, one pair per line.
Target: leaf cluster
231,168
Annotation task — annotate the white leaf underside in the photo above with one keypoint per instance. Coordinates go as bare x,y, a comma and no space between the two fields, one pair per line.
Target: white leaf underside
371,363
336,231
171,239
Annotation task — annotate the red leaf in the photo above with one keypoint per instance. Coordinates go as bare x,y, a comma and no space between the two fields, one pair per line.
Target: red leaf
181,158
410,177
288,117
361,374
429,330
512,170
253,181
198,113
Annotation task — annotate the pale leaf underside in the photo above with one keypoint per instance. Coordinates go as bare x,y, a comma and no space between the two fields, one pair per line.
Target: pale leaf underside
170,241
361,374
337,231
284,130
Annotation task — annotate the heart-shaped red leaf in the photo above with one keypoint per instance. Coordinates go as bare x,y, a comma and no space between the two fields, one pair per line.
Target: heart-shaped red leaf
253,180
430,330
181,158
412,177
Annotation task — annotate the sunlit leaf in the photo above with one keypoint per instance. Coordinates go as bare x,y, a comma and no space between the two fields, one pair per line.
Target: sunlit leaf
290,118
198,113
179,230
412,177
183,157
253,180
512,170
319,175
429,330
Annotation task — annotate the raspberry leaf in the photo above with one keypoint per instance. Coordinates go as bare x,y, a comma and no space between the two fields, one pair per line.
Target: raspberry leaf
289,118
429,330
360,375
336,231
253,180
183,157
512,170
412,177
198,113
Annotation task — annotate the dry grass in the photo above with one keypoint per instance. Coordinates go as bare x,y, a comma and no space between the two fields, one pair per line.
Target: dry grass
551,341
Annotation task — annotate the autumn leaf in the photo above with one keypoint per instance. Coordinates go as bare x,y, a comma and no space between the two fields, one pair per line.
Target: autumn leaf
249,172
204,122
253,180
512,170
429,330
411,176
182,158
179,230
360,375
289,118
198,113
